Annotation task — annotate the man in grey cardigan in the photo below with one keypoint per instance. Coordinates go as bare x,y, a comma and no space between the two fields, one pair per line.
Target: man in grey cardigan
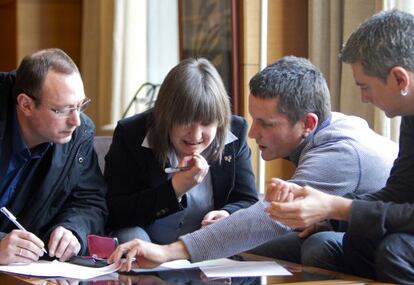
339,154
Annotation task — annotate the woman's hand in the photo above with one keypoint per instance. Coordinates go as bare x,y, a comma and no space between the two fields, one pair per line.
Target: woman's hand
183,181
214,216
142,254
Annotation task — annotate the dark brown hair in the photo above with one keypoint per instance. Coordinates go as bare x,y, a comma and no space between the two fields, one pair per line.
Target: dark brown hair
192,92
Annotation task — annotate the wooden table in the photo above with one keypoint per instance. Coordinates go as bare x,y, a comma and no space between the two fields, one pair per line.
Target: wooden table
301,275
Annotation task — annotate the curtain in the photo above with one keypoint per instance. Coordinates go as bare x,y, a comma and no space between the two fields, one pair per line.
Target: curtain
325,38
330,24
125,44
129,53
113,57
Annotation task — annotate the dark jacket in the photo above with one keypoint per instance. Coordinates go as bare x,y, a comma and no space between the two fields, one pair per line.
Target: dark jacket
139,190
65,188
390,210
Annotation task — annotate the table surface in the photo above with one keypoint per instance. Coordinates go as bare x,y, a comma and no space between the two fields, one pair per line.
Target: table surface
301,275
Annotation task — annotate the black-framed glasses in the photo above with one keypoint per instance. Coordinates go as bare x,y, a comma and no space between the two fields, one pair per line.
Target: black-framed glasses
66,112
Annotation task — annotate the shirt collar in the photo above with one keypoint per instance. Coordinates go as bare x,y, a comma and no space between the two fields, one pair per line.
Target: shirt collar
294,156
19,146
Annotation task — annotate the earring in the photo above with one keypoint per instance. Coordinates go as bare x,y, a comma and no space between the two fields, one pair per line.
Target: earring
404,93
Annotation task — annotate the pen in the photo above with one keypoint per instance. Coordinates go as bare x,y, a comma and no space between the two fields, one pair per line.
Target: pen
176,169
13,219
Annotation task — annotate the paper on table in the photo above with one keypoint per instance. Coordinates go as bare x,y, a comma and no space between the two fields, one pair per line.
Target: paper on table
183,264
244,269
171,265
224,267
56,268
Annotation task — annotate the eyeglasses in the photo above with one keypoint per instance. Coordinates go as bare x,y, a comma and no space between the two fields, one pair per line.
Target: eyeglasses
66,112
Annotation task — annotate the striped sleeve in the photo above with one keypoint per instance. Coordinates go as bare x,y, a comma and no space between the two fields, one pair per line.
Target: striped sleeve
241,231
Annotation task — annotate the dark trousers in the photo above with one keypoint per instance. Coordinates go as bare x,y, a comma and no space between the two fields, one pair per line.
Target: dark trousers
286,247
390,259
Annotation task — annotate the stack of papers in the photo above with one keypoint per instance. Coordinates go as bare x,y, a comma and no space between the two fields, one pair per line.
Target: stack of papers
56,268
223,267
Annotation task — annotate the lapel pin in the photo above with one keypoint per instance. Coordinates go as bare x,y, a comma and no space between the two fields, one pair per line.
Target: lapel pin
227,158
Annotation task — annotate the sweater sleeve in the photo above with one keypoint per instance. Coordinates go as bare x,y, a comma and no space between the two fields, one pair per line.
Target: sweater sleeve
222,239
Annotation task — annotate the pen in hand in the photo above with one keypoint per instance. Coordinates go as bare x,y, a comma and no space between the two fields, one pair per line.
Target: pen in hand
176,169
13,219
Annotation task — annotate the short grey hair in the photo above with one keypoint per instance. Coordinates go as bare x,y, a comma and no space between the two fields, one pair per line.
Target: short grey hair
299,85
382,42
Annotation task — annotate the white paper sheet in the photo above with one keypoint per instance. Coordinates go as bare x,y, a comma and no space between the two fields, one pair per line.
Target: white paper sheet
58,269
176,264
245,269
184,264
225,267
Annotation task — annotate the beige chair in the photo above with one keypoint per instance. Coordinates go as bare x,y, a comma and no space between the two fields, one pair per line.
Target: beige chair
102,144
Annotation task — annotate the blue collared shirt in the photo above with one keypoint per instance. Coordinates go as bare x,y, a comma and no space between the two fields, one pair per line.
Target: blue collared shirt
20,159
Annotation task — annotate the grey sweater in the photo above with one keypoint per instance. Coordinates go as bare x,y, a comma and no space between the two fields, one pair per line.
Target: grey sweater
342,156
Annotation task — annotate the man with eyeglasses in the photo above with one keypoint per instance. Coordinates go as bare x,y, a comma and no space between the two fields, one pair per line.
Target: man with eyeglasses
49,174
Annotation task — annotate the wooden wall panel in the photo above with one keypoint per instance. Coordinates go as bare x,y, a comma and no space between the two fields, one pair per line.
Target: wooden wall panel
287,35
49,23
30,25
8,43
287,29
97,46
250,39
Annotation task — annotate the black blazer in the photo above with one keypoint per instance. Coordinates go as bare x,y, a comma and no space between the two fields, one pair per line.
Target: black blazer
65,188
139,190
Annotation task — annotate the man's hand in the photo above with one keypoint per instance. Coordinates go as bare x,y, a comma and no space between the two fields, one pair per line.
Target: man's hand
147,255
279,191
20,246
63,244
308,207
214,216
318,227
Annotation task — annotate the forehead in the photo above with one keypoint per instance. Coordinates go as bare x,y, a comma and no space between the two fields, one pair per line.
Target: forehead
357,70
263,107
359,74
62,88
